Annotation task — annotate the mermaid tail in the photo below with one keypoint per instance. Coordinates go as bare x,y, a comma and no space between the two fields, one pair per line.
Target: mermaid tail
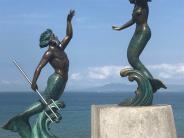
157,84
55,87
23,117
136,46
15,123
144,92
145,89
33,109
19,124
41,129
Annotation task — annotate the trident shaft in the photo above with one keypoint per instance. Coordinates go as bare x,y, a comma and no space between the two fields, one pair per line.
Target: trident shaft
26,77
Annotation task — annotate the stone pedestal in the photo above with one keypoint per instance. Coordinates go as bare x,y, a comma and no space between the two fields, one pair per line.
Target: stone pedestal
112,121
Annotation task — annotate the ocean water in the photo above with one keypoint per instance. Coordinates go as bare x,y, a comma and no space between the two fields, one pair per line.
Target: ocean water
76,116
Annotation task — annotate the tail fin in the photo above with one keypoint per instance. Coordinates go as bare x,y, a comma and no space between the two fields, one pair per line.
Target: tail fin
157,84
12,124
19,124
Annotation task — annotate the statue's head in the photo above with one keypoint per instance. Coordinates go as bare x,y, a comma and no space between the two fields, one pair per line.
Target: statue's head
132,1
48,38
135,1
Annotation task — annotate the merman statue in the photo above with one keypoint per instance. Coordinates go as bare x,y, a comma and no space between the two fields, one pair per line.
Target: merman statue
147,85
57,58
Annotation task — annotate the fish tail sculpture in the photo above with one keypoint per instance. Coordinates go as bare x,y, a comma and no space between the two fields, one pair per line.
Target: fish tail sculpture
40,129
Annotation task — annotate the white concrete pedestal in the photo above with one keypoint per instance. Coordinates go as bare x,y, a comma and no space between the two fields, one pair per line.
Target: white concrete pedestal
112,121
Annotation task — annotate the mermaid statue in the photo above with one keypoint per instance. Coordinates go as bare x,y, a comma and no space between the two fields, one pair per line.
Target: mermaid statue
147,85
57,58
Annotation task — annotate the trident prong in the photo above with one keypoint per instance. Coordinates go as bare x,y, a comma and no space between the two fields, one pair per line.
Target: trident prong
26,77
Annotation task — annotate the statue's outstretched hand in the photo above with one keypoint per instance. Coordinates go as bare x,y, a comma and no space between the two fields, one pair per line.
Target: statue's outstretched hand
70,15
34,86
116,28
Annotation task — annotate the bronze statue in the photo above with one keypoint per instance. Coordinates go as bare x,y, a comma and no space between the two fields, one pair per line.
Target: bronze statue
137,44
57,58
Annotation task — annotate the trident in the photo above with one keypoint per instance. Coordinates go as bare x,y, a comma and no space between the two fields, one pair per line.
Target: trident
26,77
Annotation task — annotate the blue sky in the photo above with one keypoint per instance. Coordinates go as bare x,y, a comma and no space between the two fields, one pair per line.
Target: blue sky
96,52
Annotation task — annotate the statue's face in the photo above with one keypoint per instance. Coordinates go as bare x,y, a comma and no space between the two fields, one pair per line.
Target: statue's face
132,1
54,40
52,36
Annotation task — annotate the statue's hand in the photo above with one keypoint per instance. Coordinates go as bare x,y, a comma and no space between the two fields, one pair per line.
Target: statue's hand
34,86
70,15
116,28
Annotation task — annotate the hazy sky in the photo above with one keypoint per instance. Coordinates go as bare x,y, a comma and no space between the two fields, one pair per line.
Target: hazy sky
96,52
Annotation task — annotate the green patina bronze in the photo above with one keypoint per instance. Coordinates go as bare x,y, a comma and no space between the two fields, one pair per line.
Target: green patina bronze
57,58
40,128
55,86
147,85
144,92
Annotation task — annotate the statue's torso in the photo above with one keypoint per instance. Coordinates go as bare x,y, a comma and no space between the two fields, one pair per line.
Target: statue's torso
59,62
140,16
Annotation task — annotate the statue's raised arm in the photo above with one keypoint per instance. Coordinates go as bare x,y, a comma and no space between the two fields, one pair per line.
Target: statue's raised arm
69,30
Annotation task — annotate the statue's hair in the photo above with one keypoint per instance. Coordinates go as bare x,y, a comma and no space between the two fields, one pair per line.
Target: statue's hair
143,1
146,0
45,38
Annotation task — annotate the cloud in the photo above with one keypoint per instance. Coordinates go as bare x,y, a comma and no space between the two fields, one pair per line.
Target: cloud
98,73
104,72
7,82
168,72
75,76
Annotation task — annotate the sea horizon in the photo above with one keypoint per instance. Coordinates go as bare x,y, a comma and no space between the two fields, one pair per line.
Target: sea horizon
76,122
